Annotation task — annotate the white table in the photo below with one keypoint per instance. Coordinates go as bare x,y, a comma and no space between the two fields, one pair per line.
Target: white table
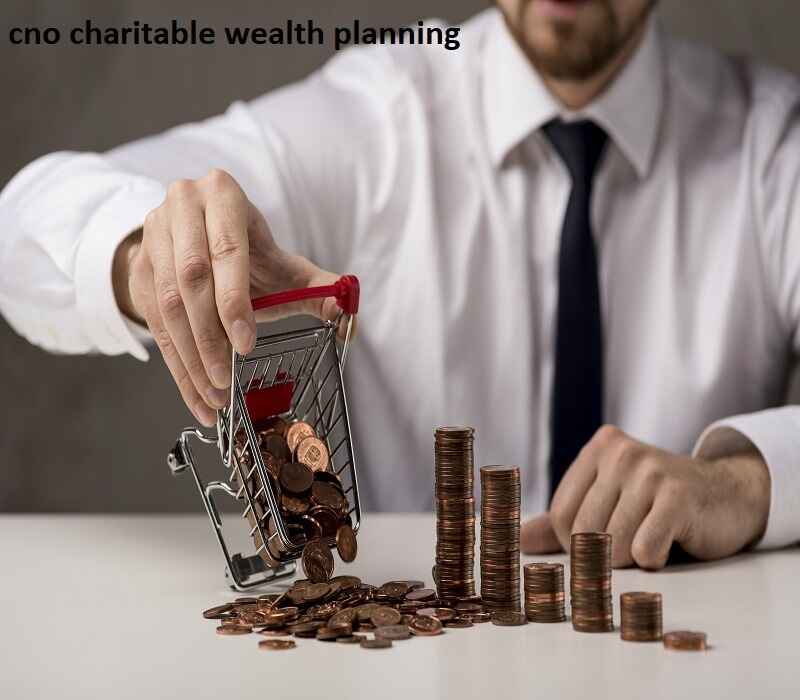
109,607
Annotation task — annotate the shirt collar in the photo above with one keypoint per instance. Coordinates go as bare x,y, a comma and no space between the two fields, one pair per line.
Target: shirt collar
516,101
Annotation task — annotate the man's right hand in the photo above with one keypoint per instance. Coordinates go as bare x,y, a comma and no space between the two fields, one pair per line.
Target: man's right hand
190,273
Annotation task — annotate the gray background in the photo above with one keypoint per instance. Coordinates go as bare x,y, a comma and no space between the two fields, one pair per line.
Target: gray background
90,433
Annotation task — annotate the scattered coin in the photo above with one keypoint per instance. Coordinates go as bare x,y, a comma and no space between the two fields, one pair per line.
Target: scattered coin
317,561
425,626
393,632
346,543
218,612
508,618
276,644
382,616
233,630
376,643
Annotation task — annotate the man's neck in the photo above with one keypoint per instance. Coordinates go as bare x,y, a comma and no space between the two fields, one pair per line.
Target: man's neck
576,94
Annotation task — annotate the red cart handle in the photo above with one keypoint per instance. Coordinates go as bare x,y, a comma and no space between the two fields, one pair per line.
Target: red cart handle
346,291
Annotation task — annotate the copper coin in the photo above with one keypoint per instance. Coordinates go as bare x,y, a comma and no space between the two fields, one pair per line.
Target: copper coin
684,640
382,616
312,452
425,626
276,644
317,561
294,504
375,643
441,614
421,594
352,639
346,543
328,519
218,612
296,477
393,632
233,630
276,425
276,446
276,632
296,433
508,618
330,495
315,592
458,623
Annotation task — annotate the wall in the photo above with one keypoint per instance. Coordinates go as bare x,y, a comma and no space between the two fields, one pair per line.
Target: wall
91,433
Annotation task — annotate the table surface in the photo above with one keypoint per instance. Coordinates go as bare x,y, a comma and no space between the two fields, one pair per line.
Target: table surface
109,606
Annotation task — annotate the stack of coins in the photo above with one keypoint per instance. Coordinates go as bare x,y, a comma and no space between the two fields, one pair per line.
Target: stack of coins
590,582
641,616
544,592
500,510
454,572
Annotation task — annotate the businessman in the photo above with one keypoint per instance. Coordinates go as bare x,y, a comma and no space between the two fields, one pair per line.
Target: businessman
575,233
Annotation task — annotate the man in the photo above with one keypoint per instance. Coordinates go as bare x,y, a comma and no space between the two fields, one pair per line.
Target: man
572,223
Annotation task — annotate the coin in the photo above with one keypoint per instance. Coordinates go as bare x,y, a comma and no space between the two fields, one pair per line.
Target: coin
500,528
421,594
640,616
352,639
275,444
276,644
218,612
684,640
455,511
375,643
590,582
393,632
382,616
296,477
312,452
233,630
296,433
324,493
544,596
346,543
425,626
441,614
317,561
508,618
457,623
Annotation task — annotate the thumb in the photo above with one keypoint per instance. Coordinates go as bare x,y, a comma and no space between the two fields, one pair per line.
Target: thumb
538,537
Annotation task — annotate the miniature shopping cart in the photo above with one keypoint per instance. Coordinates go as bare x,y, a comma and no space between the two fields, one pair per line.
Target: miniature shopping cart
291,375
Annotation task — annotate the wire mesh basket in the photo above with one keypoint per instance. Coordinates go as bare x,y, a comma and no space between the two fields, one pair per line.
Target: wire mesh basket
288,376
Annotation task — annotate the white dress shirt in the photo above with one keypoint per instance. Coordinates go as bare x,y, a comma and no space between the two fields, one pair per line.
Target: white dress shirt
424,172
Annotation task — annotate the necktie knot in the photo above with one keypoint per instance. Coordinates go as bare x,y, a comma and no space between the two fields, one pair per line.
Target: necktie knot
579,144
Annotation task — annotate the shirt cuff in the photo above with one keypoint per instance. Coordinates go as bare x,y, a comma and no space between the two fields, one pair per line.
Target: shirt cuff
775,433
111,332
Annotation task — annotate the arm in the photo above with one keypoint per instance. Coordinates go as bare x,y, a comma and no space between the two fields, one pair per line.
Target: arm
306,158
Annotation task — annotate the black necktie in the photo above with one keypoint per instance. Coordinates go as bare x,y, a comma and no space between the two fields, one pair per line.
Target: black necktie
577,402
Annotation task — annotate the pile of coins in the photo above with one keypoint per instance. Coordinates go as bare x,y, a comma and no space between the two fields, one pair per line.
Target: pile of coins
454,571
310,497
500,511
640,614
544,592
590,582
347,611
685,641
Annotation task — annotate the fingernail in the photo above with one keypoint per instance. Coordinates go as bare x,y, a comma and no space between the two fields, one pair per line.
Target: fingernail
217,397
244,337
221,376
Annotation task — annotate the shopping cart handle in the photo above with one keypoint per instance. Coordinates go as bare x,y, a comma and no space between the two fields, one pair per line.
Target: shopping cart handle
345,290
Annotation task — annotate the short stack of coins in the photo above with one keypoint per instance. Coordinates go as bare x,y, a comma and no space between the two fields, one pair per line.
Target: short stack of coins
544,592
454,572
640,616
500,512
590,582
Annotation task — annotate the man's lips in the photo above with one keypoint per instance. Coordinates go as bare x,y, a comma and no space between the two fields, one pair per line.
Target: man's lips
560,9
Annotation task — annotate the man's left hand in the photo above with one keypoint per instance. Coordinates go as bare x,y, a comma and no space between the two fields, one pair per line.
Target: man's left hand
648,499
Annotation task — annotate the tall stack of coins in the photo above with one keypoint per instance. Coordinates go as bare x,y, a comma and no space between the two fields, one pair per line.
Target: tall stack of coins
544,592
641,616
454,572
500,509
590,582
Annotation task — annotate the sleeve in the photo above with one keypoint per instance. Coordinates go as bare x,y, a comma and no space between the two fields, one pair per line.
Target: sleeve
775,433
310,156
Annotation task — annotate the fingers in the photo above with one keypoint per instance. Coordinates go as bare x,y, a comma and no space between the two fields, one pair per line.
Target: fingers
143,294
538,537
597,507
196,286
227,220
654,537
632,508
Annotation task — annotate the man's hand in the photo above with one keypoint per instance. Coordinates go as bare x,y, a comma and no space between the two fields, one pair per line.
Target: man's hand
647,499
190,273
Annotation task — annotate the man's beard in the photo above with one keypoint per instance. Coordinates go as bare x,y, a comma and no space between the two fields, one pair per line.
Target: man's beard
579,54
